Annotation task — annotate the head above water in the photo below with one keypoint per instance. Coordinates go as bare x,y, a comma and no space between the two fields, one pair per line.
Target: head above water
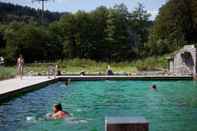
57,107
154,87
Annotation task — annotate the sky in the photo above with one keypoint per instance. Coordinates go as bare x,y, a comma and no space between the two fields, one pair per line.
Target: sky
152,6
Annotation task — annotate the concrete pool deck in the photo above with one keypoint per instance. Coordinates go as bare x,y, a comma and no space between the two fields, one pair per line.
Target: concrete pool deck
16,83
12,87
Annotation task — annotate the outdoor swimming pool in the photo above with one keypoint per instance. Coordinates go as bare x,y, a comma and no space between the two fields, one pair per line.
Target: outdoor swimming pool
172,108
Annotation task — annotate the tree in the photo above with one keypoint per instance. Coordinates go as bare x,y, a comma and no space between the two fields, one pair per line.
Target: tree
117,34
30,40
10,13
139,26
2,41
99,24
105,34
68,24
10,50
56,40
109,34
174,26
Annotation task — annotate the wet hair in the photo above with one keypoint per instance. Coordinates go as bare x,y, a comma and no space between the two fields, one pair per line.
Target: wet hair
58,107
154,86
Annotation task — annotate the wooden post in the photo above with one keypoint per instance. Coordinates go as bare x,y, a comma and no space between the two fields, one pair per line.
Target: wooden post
126,124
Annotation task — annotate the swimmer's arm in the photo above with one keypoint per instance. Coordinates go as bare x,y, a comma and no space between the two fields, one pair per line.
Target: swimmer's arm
55,116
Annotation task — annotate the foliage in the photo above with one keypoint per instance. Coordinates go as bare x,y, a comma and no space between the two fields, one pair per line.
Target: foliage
12,13
32,41
105,34
175,26
7,72
152,63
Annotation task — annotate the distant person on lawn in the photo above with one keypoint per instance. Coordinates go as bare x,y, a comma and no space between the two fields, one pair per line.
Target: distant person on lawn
20,66
109,70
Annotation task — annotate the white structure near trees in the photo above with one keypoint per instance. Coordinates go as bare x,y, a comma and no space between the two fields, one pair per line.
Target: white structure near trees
183,62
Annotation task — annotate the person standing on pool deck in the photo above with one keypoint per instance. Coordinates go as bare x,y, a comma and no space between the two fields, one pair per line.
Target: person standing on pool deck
109,70
20,66
58,113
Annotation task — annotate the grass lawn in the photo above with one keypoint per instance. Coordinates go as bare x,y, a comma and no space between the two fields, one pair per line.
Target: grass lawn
75,66
7,72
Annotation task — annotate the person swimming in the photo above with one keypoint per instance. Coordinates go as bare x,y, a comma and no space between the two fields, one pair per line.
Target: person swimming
58,113
154,87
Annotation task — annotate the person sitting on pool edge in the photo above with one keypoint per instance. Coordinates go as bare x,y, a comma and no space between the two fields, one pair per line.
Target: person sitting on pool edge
58,113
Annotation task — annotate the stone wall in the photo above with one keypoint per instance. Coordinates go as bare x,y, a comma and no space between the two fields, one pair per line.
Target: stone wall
183,62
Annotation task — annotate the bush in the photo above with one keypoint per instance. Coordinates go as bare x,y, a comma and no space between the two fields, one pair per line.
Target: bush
151,63
7,72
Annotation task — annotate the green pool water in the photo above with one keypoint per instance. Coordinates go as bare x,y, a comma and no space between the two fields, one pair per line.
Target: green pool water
172,108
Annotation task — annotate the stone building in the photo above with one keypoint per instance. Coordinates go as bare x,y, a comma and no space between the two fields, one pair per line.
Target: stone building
183,62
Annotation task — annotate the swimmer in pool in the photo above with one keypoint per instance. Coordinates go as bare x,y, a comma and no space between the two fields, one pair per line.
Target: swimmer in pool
154,87
58,113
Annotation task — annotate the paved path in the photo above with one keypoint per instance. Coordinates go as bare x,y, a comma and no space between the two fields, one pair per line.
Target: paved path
17,83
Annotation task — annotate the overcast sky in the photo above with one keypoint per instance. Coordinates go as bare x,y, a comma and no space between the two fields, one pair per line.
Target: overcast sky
73,5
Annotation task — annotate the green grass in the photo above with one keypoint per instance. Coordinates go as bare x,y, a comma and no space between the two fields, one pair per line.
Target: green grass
75,66
7,72
152,63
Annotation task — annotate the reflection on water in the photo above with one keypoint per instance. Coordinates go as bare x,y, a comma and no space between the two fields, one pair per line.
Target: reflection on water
173,107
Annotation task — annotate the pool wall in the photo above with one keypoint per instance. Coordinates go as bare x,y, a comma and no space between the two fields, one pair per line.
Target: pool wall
96,78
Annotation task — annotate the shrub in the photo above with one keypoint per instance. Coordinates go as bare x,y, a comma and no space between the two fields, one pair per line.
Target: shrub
151,63
7,72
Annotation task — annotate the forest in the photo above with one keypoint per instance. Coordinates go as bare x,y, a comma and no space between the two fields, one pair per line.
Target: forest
104,34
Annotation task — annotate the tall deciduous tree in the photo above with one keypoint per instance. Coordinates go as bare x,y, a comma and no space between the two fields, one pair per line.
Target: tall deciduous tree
174,26
110,34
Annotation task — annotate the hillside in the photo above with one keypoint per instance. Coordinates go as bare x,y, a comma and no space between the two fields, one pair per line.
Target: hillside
11,12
